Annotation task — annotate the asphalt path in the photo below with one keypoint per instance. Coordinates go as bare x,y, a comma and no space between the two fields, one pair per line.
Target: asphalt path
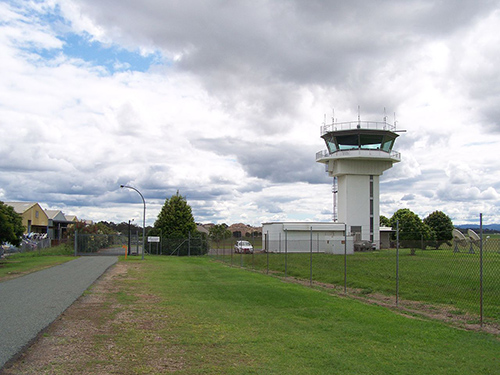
30,303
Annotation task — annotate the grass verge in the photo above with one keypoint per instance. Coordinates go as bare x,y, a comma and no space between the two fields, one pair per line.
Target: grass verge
194,316
19,264
435,276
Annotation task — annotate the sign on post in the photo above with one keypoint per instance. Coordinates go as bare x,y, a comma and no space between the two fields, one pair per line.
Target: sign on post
153,239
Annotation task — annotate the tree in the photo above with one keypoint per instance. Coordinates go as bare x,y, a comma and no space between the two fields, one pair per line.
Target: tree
11,225
177,228
412,230
385,221
441,225
104,228
218,233
175,219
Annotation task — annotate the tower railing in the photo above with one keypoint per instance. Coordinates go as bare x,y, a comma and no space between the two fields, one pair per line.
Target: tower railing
372,125
360,151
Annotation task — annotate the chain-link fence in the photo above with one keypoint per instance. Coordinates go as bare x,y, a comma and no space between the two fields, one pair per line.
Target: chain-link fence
102,244
114,244
458,279
189,246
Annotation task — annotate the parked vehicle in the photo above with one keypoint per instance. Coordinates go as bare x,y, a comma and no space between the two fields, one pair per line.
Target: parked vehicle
364,245
7,248
244,247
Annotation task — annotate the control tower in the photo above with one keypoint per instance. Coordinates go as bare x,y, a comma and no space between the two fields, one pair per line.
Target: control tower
357,154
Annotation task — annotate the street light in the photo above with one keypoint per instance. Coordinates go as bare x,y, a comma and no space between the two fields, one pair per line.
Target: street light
128,251
143,218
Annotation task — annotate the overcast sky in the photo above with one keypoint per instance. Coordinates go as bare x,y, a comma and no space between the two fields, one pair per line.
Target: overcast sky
223,101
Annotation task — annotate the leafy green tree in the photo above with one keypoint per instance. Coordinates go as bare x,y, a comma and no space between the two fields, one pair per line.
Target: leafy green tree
413,232
175,219
177,228
92,237
441,225
218,233
385,221
104,228
11,225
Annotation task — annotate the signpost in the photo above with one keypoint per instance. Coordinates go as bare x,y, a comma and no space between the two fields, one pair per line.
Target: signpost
154,239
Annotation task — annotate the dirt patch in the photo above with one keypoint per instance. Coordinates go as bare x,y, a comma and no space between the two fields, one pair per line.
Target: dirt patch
99,334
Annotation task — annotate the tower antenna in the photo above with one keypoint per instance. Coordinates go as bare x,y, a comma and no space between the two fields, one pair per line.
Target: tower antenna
359,119
385,116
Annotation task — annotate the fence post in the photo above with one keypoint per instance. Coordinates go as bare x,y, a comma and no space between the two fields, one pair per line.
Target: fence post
76,242
253,252
267,250
397,262
481,305
311,257
286,252
189,244
345,258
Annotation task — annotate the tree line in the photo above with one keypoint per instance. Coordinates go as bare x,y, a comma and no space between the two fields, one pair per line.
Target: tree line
175,221
434,230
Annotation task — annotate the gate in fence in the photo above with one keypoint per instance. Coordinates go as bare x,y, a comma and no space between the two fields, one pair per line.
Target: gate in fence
106,244
114,244
190,246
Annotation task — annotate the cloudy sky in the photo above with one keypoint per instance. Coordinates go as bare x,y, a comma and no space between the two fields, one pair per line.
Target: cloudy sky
223,101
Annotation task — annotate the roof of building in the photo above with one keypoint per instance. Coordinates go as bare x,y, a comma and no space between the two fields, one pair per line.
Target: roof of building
309,225
202,229
52,214
20,207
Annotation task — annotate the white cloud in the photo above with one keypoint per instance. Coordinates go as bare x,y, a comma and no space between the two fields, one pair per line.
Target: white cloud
231,117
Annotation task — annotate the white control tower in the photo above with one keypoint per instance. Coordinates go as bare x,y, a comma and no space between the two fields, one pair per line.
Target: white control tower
357,154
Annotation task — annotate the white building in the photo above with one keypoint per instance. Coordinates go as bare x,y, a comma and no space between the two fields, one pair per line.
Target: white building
294,237
357,154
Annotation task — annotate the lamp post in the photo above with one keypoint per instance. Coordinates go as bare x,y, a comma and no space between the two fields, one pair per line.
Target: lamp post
143,218
128,251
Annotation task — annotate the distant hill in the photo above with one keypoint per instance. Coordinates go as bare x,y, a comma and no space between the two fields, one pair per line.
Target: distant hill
489,227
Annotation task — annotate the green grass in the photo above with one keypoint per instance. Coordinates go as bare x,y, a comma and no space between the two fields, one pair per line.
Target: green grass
220,320
19,264
432,276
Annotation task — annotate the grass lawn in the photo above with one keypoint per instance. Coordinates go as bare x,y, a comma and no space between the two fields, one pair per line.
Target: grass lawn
22,263
221,320
432,276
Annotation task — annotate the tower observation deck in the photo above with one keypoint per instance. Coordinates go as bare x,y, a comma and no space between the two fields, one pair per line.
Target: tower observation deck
358,153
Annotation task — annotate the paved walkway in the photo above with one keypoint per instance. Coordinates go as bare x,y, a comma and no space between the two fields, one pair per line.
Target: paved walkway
28,304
